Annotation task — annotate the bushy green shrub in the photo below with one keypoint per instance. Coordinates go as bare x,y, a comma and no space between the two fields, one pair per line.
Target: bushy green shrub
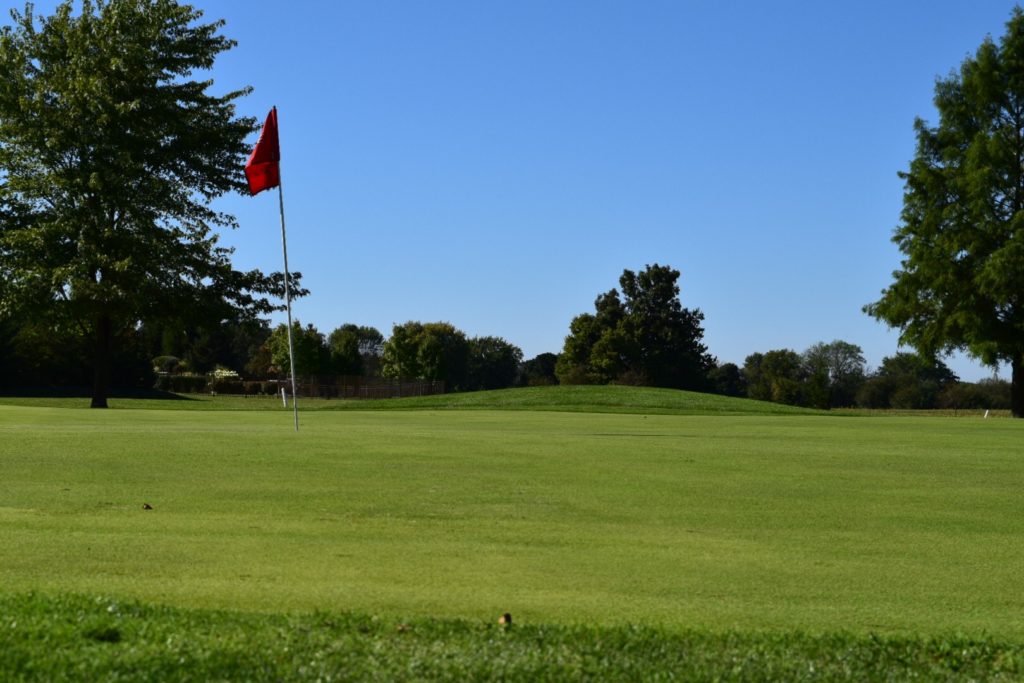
182,384
988,393
963,396
227,386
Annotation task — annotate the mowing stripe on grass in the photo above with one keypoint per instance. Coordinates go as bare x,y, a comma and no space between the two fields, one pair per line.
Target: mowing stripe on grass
907,526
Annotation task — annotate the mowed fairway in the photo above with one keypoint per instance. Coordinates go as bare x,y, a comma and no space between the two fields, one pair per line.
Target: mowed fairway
810,523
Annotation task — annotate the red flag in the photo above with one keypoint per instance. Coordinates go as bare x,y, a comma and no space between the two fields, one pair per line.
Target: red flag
263,167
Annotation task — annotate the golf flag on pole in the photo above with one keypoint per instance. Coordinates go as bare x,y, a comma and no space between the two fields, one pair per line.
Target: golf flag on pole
263,169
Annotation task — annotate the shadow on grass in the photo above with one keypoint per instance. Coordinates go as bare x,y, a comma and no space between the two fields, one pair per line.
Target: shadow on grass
85,392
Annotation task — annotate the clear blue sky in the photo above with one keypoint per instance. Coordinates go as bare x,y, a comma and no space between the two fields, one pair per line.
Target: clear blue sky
498,164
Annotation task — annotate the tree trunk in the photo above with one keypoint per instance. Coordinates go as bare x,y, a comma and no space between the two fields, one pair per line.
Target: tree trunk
1017,388
101,362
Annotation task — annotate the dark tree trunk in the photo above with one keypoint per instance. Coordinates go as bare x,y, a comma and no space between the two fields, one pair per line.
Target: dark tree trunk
1017,388
101,362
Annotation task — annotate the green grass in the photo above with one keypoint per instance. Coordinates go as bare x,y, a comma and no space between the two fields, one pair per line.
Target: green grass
725,522
584,399
56,638
715,540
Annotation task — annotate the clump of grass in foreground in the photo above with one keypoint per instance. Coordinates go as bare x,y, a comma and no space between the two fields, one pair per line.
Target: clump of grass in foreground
55,638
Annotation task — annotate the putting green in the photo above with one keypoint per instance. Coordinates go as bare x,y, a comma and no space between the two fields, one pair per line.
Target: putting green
812,523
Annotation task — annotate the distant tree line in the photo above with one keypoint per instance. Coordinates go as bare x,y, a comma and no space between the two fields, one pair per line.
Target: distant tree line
835,375
639,334
645,336
111,153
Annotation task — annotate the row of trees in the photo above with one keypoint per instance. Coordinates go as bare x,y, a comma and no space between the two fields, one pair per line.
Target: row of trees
834,375
435,351
111,153
645,336
43,355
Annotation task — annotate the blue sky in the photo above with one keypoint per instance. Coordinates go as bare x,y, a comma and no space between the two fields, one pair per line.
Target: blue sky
498,164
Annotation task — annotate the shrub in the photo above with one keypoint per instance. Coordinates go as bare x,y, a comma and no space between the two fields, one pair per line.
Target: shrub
227,386
961,395
167,364
875,392
998,392
988,393
182,384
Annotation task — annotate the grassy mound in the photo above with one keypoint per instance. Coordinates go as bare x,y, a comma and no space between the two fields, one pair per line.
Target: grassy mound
74,637
580,399
588,399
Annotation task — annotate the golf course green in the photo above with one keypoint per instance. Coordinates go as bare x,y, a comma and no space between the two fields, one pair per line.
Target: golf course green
657,516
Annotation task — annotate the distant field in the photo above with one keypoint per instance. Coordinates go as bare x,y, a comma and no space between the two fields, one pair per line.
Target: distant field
585,399
749,522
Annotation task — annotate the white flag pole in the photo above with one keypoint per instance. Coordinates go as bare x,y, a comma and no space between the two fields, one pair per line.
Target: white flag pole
288,305
287,296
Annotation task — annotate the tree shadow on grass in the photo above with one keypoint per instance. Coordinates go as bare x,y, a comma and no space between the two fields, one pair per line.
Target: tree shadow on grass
85,392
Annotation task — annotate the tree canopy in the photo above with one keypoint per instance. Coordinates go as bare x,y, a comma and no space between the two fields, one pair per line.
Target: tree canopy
961,281
778,375
644,337
907,380
111,153
836,371
312,355
493,363
355,349
440,351
432,351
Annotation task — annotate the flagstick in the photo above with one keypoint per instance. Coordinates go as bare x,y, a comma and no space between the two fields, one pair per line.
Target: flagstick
288,303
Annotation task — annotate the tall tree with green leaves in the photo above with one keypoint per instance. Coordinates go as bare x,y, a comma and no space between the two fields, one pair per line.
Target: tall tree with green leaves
835,371
343,345
312,354
493,363
356,349
432,351
643,337
777,375
961,282
110,154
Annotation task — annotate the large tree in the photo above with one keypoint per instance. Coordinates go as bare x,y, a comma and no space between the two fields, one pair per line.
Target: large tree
493,363
835,372
961,283
430,351
644,337
539,371
312,354
778,376
355,350
110,154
